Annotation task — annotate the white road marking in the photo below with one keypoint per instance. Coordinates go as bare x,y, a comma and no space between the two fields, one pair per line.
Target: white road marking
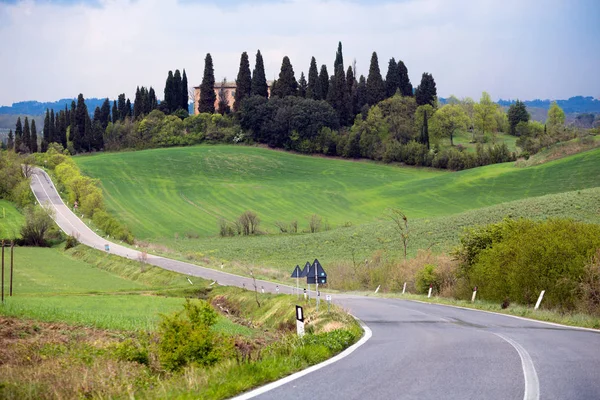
532,383
293,377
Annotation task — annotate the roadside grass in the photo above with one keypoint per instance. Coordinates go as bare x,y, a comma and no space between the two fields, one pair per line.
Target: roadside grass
11,220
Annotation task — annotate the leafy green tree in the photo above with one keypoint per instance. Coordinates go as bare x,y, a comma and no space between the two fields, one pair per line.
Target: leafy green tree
302,85
485,113
26,144
10,144
183,94
259,79
324,79
447,120
517,112
392,79
375,84
286,84
422,120
243,82
207,88
404,84
18,135
556,117
426,92
313,90
34,139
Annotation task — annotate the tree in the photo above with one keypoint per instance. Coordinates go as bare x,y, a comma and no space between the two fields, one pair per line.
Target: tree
313,90
324,79
128,109
555,120
105,113
10,144
339,58
26,143
33,141
424,131
517,112
404,84
207,88
152,100
78,130
38,221
223,104
183,94
52,128
286,84
176,93
121,105
302,85
169,88
338,96
361,94
46,135
392,79
400,221
448,119
375,85
115,113
485,112
243,82
18,135
259,80
352,91
426,92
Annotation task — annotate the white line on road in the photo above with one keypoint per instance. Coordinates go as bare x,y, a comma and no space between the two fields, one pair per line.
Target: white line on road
293,377
532,383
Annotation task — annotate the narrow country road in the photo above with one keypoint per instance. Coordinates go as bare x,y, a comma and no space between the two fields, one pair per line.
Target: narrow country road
417,350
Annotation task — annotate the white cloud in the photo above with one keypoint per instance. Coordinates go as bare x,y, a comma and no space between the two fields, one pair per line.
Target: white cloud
59,51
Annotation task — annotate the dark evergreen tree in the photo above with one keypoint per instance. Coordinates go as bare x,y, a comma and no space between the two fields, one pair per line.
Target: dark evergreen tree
352,92
338,95
339,59
243,83
183,93
406,88
168,91
207,88
78,129
313,90
259,79
18,135
286,84
63,126
10,144
52,128
137,104
223,99
152,100
424,135
375,85
128,109
115,112
26,143
175,99
72,113
33,141
105,113
46,134
517,112
324,79
302,85
88,135
121,105
392,79
426,92
361,94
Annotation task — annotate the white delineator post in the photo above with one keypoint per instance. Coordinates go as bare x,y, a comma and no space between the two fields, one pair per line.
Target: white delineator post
377,290
474,294
299,321
317,286
429,294
404,288
539,300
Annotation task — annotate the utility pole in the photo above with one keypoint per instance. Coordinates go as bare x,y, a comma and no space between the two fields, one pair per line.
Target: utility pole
12,248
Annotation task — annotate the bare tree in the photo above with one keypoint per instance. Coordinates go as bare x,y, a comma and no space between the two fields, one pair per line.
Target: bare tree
251,272
143,259
249,222
27,166
314,223
401,226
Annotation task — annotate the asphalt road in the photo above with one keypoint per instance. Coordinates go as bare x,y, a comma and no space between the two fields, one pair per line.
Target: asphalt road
417,350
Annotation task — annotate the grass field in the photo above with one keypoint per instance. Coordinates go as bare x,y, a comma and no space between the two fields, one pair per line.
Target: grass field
10,220
166,193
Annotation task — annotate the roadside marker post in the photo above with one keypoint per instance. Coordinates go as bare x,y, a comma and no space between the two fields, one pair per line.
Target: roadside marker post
474,294
3,272
539,300
377,290
404,288
429,294
328,298
299,321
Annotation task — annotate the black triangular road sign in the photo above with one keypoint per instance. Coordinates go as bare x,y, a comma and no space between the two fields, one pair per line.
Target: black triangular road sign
297,272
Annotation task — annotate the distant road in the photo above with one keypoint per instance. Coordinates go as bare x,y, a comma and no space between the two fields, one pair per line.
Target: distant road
418,350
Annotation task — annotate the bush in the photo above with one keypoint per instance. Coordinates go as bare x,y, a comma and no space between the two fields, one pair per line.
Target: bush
38,223
71,242
425,277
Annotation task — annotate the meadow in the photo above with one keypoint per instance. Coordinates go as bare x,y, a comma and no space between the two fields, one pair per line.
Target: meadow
11,220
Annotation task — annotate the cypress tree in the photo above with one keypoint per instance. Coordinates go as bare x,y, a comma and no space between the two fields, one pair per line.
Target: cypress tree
302,85
183,93
121,106
105,113
128,109
88,133
404,81
10,144
34,139
78,130
52,128
175,99
207,88
63,128
137,104
26,136
338,95
18,135
339,59
324,79
168,90
424,136
115,112
46,135
243,82
375,85
313,90
361,94
286,84
152,101
223,102
392,79
72,119
352,86
426,92
259,80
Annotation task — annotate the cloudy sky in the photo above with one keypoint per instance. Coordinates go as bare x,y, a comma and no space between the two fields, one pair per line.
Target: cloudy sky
511,48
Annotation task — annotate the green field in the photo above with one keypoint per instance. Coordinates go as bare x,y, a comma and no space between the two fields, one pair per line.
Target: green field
166,193
10,220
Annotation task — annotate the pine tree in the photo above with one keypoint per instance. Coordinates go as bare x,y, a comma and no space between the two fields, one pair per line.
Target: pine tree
259,80
361,94
33,141
517,112
406,88
302,85
105,113
10,144
175,99
392,79
286,84
183,93
46,136
18,135
243,82
207,88
426,92
313,90
375,85
26,137
115,112
168,92
324,79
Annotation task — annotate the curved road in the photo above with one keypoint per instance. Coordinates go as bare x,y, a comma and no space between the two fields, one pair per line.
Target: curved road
417,350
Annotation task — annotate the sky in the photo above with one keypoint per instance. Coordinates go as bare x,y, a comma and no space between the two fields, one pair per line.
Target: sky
526,49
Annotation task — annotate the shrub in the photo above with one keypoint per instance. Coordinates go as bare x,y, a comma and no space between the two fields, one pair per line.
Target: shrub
249,222
425,277
38,223
71,242
314,223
